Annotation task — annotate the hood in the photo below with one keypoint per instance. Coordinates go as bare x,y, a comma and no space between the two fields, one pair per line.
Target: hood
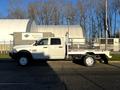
22,46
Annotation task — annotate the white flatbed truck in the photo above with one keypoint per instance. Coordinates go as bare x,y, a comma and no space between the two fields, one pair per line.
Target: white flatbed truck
56,48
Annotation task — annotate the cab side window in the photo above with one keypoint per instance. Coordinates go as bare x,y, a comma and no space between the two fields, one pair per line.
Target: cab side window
43,42
55,41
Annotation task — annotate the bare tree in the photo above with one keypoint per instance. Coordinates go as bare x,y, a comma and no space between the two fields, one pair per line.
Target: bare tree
114,8
81,15
70,12
55,16
32,11
89,14
46,12
16,10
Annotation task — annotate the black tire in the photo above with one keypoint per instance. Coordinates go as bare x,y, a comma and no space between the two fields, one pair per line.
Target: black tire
23,59
88,60
104,59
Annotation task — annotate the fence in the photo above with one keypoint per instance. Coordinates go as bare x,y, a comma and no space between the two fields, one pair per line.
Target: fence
5,46
78,44
113,44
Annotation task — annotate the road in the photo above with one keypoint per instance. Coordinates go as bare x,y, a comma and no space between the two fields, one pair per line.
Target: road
59,75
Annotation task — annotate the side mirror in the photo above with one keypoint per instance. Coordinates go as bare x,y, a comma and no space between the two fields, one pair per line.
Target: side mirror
42,43
36,43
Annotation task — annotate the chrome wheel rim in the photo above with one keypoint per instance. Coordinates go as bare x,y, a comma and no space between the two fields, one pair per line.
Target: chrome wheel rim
89,61
23,61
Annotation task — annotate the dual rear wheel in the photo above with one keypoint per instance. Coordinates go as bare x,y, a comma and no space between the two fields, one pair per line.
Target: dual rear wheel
88,60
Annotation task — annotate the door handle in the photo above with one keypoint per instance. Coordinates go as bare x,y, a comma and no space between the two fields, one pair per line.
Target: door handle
60,47
44,47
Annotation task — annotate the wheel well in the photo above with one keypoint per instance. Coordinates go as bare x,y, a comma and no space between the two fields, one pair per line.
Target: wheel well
89,53
103,56
25,53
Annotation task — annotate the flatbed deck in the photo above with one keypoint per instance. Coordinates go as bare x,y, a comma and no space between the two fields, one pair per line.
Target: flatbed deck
84,51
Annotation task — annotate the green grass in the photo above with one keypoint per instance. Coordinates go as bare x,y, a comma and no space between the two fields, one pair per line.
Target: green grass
115,57
4,56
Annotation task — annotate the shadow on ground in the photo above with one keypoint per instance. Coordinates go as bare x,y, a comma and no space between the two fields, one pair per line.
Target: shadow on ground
118,67
38,76
78,62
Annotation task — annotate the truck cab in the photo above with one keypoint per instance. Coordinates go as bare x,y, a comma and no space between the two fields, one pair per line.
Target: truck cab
43,49
49,48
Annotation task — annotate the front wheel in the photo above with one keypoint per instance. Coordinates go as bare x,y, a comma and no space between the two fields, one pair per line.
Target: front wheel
89,61
23,61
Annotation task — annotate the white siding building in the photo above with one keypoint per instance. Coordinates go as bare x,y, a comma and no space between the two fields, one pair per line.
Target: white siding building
8,26
14,30
75,31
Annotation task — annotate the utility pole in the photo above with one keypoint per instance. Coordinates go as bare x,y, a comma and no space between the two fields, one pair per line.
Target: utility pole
68,32
106,23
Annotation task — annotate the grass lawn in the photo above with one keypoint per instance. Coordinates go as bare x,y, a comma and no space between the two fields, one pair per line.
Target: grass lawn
4,56
115,57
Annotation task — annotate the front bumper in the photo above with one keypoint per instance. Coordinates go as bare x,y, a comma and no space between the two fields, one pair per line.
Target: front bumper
13,55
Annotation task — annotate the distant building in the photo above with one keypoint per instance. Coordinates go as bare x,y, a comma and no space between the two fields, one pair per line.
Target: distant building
35,32
113,44
75,31
8,26
25,31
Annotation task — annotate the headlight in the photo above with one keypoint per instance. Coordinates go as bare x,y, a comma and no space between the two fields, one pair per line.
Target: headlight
14,51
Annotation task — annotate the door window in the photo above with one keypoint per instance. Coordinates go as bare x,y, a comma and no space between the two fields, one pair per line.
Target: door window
55,41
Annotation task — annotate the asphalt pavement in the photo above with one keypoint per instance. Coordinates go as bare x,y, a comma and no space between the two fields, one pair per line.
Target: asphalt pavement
59,75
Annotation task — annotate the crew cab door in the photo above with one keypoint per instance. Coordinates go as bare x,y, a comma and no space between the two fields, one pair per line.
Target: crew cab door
40,49
56,49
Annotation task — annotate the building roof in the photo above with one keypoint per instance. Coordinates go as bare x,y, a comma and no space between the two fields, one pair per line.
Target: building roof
8,26
75,31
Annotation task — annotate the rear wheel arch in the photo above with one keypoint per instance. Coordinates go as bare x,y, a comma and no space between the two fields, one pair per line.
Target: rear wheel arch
104,58
90,53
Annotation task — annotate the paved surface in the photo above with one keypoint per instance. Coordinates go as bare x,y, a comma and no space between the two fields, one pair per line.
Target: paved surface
59,75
